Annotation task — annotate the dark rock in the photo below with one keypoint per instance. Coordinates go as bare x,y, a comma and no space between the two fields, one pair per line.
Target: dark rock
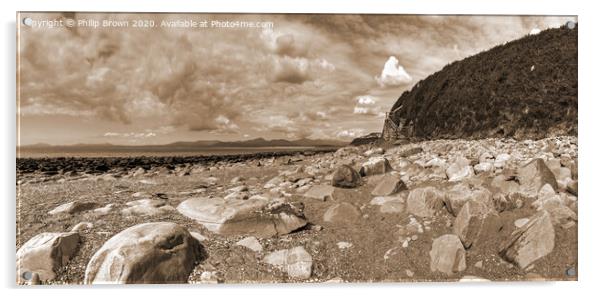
346,177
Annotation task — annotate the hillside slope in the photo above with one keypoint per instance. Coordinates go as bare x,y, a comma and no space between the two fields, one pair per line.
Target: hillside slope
526,88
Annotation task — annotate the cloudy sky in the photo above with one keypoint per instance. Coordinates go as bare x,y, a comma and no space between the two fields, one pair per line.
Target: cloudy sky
315,76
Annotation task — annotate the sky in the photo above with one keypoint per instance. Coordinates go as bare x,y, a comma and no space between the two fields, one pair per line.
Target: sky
278,76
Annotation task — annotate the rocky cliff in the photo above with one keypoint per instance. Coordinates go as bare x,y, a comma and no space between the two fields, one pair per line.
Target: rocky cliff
526,88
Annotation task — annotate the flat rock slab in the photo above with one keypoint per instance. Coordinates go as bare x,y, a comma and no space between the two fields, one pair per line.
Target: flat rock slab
45,253
448,255
342,213
147,207
532,241
251,243
389,184
148,253
254,216
296,262
320,192
389,204
73,207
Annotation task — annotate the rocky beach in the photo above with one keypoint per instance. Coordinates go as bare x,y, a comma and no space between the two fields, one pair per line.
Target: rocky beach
440,210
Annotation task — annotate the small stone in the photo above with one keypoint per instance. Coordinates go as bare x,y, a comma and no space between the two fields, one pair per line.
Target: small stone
148,207
83,226
105,209
448,255
409,273
459,170
521,222
296,262
478,264
251,243
344,245
73,207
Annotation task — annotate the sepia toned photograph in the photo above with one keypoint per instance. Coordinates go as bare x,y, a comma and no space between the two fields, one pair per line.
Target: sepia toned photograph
199,149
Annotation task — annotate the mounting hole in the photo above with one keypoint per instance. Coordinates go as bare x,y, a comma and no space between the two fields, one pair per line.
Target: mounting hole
571,272
27,22
570,25
27,275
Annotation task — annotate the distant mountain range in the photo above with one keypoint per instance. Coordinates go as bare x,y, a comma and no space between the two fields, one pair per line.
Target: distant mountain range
257,142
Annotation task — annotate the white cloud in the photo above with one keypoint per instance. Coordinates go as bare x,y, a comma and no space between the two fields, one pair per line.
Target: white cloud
366,100
393,74
351,133
366,105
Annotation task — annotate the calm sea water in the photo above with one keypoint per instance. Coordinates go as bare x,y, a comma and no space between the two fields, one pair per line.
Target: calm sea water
150,151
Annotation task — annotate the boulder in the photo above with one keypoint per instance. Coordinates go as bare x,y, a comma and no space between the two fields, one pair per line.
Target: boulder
254,216
460,169
251,243
477,222
448,255
320,192
296,262
45,253
375,166
149,253
346,177
342,213
424,202
389,184
535,175
458,195
531,242
147,207
73,207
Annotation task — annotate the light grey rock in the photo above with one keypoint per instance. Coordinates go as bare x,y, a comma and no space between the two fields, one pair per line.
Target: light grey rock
73,207
389,204
448,255
389,184
531,242
105,209
296,262
460,169
342,213
320,192
255,216
459,194
45,253
150,253
83,226
375,166
521,222
251,243
424,202
535,175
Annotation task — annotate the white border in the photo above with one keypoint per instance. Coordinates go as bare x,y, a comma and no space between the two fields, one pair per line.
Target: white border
589,143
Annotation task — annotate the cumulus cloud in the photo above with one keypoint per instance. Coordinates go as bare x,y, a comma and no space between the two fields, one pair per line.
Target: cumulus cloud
393,74
366,105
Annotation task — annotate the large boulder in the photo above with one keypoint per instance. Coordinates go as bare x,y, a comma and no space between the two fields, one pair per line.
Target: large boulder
73,207
389,184
320,192
342,213
531,242
296,262
45,253
535,175
477,222
150,253
424,202
257,217
448,255
346,177
375,166
459,194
